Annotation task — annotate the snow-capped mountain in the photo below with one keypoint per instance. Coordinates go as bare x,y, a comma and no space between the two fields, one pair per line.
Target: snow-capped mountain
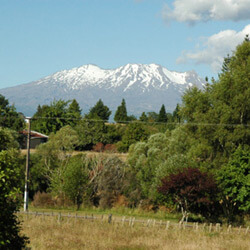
145,87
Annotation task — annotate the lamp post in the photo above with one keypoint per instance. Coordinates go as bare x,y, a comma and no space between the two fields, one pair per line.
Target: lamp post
26,187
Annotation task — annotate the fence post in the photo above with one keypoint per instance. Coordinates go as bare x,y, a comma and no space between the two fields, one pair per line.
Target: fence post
132,222
167,225
210,227
110,219
148,222
160,222
239,230
229,228
123,220
247,230
59,217
217,227
154,223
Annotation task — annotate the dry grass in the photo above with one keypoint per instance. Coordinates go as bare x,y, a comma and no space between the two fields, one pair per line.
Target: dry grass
48,233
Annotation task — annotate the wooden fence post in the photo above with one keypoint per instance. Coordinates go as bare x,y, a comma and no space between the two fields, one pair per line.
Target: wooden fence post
210,227
160,223
110,219
217,227
229,229
154,223
167,225
123,220
59,217
132,222
148,222
247,230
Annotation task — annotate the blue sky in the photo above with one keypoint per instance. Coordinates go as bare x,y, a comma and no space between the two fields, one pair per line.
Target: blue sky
41,37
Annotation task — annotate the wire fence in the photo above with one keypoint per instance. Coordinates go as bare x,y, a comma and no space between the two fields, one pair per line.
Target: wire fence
132,221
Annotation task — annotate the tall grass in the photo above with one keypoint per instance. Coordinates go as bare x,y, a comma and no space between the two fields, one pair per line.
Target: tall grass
70,233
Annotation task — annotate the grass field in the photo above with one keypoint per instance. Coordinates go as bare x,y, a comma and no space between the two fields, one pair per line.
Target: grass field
47,232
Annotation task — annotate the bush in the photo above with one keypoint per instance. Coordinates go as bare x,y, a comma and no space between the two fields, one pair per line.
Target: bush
42,199
99,147
109,182
192,190
110,148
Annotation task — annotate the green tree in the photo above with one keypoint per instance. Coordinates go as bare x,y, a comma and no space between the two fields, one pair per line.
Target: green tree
143,160
143,117
162,115
51,118
74,113
90,132
100,110
8,139
54,158
159,156
234,182
134,132
55,153
121,113
76,177
218,116
10,174
176,114
9,118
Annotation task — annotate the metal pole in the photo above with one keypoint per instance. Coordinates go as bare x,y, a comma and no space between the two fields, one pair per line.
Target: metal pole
26,188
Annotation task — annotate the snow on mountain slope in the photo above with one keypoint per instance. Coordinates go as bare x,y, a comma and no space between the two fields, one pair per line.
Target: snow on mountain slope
145,87
125,77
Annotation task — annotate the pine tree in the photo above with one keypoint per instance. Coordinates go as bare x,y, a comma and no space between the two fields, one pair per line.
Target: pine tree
176,114
74,112
143,117
121,113
74,108
162,114
100,110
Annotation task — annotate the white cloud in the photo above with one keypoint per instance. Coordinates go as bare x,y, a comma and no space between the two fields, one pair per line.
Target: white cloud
191,11
213,49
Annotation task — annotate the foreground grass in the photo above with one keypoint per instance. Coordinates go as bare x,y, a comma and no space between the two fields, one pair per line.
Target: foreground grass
49,233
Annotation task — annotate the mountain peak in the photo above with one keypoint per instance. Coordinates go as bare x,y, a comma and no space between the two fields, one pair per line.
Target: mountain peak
144,86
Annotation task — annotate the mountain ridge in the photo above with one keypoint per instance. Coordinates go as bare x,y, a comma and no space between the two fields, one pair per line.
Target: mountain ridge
145,87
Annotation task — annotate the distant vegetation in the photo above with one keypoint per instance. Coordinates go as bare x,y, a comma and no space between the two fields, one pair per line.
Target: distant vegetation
195,160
